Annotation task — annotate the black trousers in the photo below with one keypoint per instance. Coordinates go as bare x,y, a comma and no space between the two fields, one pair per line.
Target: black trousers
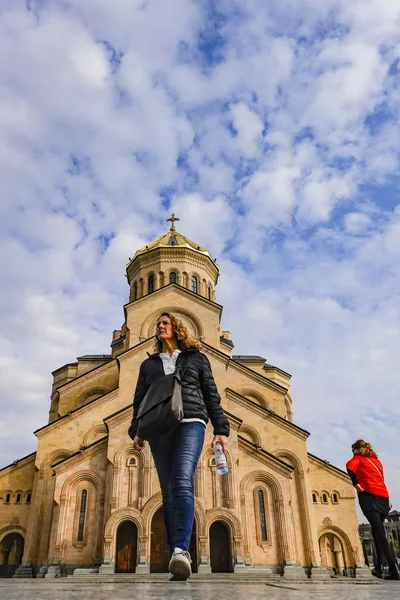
376,520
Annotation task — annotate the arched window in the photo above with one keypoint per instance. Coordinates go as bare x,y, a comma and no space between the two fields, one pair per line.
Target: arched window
82,514
132,462
28,498
324,498
18,499
209,291
335,498
150,284
314,498
172,277
195,285
8,498
135,290
263,520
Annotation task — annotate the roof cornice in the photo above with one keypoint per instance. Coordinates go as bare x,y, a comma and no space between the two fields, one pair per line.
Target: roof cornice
20,462
88,375
327,465
299,432
275,463
119,416
187,244
82,454
74,414
246,370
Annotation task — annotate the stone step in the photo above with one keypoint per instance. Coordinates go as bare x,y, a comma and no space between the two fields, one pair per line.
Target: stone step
160,577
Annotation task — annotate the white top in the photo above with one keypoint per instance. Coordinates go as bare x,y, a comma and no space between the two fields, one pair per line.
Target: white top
169,364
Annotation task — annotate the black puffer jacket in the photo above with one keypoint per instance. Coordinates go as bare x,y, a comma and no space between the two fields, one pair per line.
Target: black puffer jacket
200,396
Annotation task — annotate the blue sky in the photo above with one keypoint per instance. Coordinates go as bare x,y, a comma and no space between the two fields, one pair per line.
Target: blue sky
272,130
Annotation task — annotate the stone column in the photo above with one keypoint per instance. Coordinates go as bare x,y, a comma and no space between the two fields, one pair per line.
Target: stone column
115,495
131,495
246,549
204,562
147,481
31,539
214,486
108,566
291,570
143,565
239,565
339,561
61,527
318,571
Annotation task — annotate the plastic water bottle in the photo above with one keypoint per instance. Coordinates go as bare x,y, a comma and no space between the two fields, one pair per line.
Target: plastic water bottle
220,460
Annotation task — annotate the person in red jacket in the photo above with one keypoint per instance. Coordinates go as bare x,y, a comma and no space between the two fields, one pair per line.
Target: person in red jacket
366,473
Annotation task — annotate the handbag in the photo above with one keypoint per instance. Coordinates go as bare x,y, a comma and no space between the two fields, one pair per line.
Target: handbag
161,410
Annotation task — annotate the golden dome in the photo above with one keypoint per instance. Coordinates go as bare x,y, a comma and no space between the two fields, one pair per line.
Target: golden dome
174,239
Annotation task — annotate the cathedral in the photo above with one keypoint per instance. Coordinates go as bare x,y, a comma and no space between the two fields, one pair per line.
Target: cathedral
87,500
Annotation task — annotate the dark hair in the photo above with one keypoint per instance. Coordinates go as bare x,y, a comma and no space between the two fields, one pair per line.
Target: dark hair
364,448
181,334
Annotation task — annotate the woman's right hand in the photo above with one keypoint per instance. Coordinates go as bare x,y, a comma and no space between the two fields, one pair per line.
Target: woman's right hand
138,443
359,488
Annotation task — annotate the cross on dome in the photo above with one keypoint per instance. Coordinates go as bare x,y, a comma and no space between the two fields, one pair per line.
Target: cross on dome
172,219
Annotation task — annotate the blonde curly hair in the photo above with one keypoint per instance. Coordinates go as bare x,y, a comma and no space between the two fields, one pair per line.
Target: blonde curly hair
181,334
364,448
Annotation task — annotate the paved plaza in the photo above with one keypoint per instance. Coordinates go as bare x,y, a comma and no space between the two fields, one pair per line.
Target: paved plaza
71,589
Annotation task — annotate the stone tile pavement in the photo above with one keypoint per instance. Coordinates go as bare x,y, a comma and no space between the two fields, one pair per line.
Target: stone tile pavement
71,589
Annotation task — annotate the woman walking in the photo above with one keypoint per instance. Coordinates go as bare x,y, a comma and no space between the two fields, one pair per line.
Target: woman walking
176,452
366,473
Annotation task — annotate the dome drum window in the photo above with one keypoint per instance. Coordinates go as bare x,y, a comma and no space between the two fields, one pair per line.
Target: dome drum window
150,284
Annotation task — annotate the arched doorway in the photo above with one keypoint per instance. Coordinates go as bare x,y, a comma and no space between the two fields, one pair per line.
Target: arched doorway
126,558
12,549
220,548
159,550
332,553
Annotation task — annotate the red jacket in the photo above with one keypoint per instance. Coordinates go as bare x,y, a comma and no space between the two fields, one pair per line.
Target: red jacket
369,476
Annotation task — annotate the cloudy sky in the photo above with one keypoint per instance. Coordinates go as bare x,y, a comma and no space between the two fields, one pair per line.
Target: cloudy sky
272,130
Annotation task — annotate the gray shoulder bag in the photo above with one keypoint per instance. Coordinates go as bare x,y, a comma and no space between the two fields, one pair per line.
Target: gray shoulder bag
161,409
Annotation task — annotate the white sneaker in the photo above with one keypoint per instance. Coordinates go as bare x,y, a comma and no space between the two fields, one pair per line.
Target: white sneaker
179,565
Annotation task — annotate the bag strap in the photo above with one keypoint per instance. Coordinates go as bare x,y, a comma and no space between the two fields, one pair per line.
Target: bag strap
180,369
374,465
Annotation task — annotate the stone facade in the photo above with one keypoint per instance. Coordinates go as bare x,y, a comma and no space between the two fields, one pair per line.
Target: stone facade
87,499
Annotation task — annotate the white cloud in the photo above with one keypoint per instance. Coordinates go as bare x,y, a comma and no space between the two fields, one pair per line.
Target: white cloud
357,223
249,128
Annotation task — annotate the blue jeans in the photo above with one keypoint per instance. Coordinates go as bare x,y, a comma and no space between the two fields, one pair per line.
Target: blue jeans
176,455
